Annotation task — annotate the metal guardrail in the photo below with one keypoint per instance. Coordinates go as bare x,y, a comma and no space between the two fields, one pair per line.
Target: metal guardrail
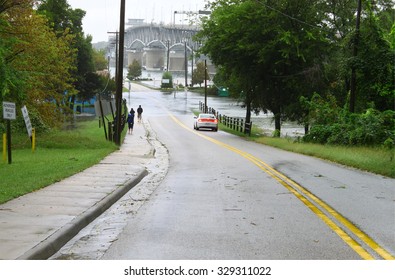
234,123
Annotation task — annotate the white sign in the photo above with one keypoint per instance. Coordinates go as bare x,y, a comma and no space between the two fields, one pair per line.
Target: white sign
165,81
9,111
28,124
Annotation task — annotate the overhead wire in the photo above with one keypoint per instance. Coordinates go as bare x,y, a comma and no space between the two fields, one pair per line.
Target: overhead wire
286,15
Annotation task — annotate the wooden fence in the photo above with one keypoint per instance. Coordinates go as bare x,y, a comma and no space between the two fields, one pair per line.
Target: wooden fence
236,124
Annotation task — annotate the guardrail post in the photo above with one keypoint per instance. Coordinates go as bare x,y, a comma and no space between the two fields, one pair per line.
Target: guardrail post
248,128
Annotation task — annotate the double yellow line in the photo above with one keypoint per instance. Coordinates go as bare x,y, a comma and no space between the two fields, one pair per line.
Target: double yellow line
332,218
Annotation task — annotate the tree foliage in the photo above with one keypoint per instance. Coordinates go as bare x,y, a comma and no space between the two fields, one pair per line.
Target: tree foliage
64,19
61,16
37,63
134,70
199,74
45,58
336,125
269,53
281,52
100,60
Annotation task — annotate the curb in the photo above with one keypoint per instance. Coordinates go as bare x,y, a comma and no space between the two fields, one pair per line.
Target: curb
52,244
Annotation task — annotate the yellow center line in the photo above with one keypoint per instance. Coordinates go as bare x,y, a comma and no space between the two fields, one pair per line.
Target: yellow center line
293,187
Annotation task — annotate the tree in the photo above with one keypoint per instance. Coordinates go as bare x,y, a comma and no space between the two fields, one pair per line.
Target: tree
373,51
134,70
199,74
61,16
376,68
91,86
100,60
272,50
11,80
38,64
64,19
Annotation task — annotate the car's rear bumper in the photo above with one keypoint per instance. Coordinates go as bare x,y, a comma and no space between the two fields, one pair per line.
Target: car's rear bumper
207,125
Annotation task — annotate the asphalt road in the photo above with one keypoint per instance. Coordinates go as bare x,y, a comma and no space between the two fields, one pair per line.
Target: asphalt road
221,197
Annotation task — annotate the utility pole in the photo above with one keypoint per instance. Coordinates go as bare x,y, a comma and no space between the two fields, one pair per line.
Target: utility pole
192,68
119,77
186,64
116,53
353,83
205,86
168,55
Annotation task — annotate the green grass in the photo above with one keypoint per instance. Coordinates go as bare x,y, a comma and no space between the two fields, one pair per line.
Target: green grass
373,159
59,154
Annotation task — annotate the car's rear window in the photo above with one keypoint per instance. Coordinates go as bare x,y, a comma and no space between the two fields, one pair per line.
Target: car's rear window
206,116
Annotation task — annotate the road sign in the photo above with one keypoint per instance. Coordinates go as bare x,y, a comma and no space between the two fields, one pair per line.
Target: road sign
28,124
9,112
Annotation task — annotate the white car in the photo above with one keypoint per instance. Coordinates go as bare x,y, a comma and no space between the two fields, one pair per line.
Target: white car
208,121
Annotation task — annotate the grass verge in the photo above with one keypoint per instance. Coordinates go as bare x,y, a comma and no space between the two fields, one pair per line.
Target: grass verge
373,159
59,154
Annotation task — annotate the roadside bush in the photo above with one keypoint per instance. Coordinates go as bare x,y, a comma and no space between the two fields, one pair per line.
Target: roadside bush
335,125
167,76
19,124
318,134
337,134
35,119
276,133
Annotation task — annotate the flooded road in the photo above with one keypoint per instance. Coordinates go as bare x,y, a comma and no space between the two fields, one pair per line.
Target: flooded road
181,101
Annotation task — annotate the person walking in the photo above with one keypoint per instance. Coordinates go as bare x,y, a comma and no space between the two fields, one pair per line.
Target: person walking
131,121
139,113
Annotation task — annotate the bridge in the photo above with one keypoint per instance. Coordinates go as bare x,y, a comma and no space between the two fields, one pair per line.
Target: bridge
160,47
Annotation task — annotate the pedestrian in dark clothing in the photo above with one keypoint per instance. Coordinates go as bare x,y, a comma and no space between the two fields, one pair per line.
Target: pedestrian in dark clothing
139,113
131,121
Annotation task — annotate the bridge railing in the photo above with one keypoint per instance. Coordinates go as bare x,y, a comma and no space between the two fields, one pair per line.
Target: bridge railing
234,123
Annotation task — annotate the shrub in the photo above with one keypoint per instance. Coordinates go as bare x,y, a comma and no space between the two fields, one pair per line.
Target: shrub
276,133
167,76
334,125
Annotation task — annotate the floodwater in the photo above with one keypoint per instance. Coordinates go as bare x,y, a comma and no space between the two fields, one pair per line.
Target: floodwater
181,101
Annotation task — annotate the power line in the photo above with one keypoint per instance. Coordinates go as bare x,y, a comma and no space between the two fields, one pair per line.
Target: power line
288,16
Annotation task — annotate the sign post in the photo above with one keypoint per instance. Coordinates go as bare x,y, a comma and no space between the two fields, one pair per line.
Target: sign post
9,141
4,147
28,124
33,140
9,113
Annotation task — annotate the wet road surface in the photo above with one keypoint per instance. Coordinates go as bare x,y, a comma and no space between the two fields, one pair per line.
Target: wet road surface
212,195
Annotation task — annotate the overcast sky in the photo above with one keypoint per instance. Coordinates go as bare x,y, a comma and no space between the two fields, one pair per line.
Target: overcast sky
102,16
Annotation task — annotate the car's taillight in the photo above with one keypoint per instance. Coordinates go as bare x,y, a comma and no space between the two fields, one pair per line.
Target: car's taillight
208,120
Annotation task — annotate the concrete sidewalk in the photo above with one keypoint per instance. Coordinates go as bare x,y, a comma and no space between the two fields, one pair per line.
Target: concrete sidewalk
37,225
